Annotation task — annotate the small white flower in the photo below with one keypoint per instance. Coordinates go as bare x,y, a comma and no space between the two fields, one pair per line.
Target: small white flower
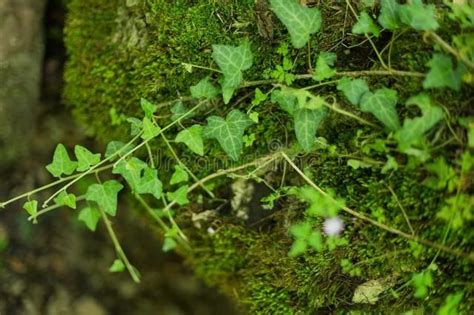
333,226
210,230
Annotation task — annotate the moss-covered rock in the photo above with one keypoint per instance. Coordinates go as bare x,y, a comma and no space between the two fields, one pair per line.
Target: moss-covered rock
120,51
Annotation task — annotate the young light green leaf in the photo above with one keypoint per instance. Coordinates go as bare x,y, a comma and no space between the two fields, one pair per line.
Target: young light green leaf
65,199
179,196
228,132
136,125
131,169
381,104
150,129
419,16
180,175
61,164
85,158
353,89
150,183
305,236
114,147
192,137
204,89
450,305
414,129
389,16
169,244
307,122
105,195
259,97
442,73
323,66
90,216
232,61
148,108
365,25
300,21
31,207
117,266
422,281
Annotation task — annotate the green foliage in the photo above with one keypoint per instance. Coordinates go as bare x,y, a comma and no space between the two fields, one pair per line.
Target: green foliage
300,21
65,199
192,137
105,195
148,108
419,16
31,207
450,306
232,60
422,281
413,129
180,175
131,169
180,196
442,74
229,132
323,66
85,158
365,25
389,16
90,216
381,104
353,89
307,122
150,183
305,236
150,129
117,266
62,164
205,89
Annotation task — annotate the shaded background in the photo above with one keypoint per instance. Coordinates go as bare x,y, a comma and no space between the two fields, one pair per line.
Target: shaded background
56,266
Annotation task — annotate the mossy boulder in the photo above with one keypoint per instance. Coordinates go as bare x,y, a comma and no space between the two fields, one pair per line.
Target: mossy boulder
121,51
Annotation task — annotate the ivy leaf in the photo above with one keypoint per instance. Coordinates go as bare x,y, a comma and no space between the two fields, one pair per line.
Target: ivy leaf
232,61
179,196
419,16
307,122
229,132
150,129
353,89
105,195
136,125
365,25
192,137
61,164
85,158
204,89
169,244
148,108
117,266
90,216
300,21
131,169
31,207
381,104
389,16
414,129
65,199
288,103
114,147
179,175
150,183
179,111
442,73
323,66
